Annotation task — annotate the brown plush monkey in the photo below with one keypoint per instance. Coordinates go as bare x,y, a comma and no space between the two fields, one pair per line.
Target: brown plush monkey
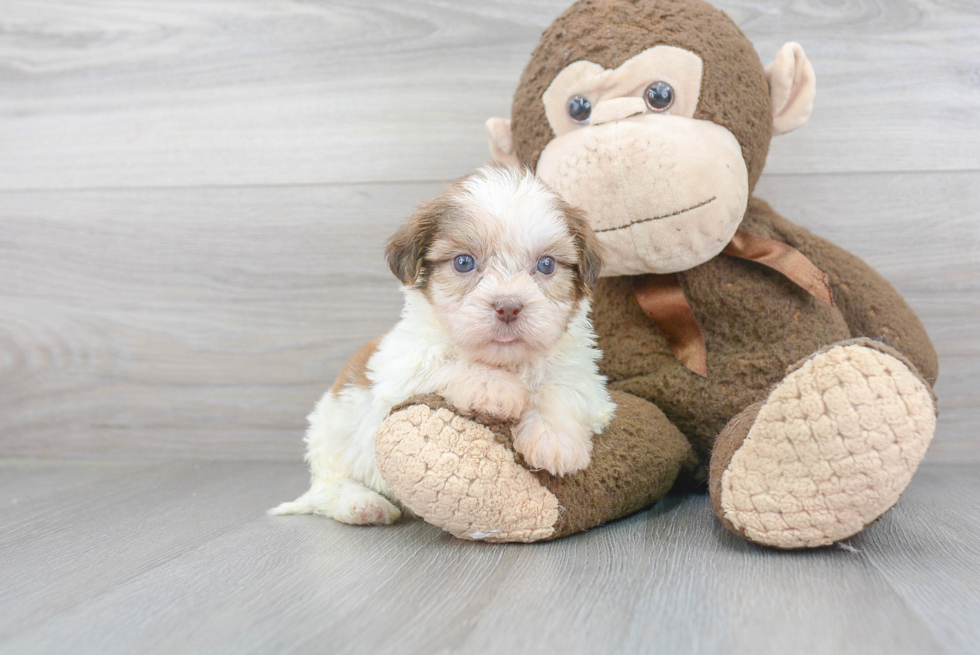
730,335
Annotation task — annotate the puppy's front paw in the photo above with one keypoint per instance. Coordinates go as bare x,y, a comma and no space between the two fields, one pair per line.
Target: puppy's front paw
558,450
491,393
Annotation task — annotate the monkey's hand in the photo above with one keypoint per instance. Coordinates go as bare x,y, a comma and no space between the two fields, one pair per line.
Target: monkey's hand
483,391
553,442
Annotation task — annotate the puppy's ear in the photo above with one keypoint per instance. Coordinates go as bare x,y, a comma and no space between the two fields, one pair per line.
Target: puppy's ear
407,248
589,248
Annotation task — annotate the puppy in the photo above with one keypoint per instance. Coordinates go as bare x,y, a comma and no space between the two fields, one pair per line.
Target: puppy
496,274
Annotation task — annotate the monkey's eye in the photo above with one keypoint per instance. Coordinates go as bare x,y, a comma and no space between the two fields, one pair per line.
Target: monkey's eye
659,96
464,263
579,109
546,265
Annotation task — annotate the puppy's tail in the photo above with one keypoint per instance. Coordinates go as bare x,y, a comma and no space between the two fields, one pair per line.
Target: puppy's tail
299,506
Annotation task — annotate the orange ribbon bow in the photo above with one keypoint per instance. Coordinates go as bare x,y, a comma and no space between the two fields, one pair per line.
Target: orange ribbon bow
662,299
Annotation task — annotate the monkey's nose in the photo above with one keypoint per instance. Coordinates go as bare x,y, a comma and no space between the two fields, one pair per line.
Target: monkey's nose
616,109
508,309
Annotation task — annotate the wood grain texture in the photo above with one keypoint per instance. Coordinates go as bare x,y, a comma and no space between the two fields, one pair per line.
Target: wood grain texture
230,92
144,312
225,311
178,558
115,522
205,322
926,547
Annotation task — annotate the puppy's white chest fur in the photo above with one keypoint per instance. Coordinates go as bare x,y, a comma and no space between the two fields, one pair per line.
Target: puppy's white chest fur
558,397
557,402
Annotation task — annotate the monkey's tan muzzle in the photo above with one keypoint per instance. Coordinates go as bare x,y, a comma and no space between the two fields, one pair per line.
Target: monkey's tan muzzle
672,191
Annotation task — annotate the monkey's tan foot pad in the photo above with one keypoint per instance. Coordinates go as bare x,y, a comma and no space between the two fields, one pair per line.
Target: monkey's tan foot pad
457,474
828,452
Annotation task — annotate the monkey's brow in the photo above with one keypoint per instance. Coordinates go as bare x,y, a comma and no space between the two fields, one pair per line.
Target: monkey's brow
657,218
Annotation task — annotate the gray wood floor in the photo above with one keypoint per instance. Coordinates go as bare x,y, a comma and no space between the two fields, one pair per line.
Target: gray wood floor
178,557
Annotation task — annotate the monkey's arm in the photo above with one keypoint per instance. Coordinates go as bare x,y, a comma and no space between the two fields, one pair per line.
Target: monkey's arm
870,305
460,473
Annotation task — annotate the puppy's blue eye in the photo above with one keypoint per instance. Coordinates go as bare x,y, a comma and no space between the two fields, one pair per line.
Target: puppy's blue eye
464,263
546,265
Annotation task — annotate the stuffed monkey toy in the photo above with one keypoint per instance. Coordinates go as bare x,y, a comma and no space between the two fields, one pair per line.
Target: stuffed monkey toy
742,351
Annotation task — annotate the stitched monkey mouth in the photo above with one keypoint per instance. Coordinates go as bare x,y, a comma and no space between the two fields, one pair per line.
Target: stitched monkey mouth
657,218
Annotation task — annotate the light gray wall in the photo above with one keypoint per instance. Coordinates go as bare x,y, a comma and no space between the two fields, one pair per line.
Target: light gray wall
194,195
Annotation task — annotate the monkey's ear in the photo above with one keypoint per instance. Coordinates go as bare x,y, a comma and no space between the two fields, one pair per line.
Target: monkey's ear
501,141
792,87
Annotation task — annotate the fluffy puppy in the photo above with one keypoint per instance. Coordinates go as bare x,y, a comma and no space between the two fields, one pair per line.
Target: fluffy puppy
496,273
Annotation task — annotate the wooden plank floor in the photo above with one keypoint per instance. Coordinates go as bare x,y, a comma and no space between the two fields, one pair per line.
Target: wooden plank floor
179,557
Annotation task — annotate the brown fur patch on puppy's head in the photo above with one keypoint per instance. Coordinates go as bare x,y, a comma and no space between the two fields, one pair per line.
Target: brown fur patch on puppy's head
503,261
408,247
589,248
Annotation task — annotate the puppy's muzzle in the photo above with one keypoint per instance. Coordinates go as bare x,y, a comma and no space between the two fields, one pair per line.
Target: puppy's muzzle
507,309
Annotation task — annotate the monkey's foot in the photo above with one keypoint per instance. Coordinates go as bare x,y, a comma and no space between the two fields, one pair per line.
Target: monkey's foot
828,452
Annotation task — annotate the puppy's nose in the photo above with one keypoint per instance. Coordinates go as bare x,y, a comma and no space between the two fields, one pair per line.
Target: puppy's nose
508,309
